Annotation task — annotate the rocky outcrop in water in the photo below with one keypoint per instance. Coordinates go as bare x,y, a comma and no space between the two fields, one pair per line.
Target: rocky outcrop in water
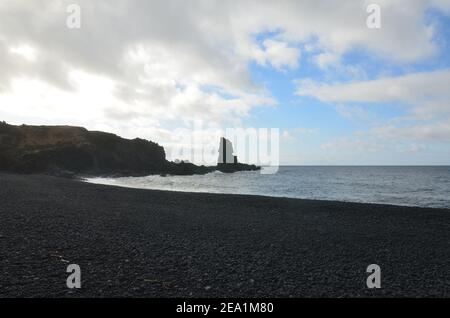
228,162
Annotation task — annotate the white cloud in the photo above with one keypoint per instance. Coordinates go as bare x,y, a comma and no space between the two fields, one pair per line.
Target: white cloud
324,60
353,112
25,51
135,65
407,88
278,54
425,95
438,131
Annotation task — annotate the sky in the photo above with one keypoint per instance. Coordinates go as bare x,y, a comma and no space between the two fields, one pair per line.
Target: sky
339,92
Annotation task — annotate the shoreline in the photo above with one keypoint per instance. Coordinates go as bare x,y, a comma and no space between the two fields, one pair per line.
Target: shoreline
87,180
154,243
264,196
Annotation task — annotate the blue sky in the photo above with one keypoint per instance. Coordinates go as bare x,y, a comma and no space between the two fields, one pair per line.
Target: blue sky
324,121
339,92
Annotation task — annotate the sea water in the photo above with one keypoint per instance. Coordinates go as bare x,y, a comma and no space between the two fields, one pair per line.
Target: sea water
425,186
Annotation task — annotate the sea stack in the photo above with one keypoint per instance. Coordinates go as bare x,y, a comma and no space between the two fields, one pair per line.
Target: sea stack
228,162
226,152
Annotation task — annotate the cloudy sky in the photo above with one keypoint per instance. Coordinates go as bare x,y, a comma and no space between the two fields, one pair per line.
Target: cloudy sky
340,93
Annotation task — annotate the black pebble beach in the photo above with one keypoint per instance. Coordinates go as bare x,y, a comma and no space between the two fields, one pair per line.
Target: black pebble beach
144,243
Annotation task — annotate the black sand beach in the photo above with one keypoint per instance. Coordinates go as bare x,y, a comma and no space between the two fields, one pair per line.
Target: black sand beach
141,243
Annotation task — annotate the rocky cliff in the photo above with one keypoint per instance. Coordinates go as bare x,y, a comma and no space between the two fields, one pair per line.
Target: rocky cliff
59,149
67,151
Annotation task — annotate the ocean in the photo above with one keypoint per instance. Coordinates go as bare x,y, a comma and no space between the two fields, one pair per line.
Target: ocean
423,186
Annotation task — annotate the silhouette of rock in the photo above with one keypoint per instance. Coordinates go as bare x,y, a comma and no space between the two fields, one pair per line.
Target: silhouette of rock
228,162
225,152
71,151
66,150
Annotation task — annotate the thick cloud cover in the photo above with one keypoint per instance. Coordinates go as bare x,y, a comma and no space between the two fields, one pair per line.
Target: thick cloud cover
144,67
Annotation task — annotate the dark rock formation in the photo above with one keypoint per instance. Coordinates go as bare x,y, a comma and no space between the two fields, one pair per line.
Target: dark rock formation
228,162
57,149
226,152
70,151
